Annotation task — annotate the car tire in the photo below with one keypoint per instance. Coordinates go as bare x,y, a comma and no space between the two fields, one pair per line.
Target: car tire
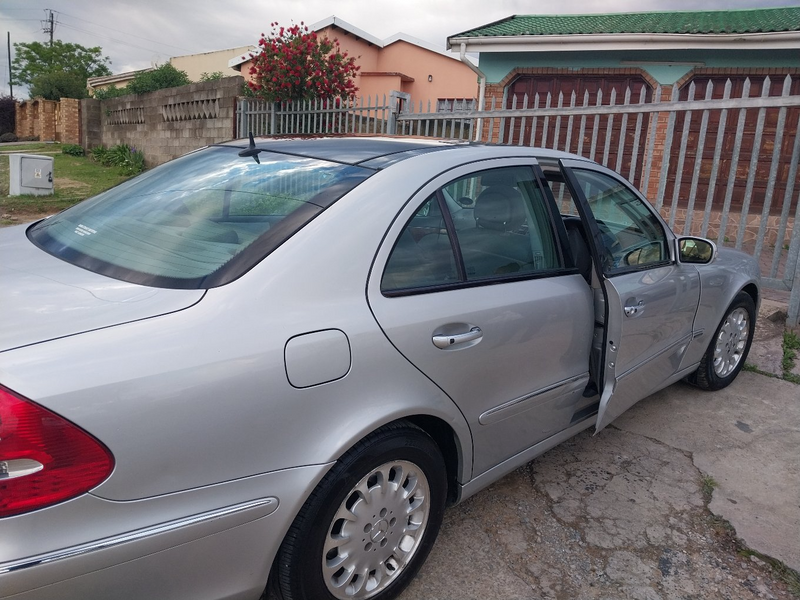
729,347
391,487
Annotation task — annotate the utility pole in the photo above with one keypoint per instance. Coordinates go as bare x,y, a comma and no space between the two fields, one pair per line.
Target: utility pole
10,79
48,25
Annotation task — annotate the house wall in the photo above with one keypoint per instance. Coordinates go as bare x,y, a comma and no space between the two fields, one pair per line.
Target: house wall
208,62
498,65
164,124
450,77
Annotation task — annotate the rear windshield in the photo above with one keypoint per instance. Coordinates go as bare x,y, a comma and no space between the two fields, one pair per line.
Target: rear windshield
196,222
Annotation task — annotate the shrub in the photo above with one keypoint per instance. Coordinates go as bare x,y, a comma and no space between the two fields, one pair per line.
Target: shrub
211,76
8,112
29,138
72,150
129,160
8,137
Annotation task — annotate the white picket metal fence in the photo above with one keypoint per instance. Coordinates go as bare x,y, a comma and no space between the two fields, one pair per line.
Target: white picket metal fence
723,167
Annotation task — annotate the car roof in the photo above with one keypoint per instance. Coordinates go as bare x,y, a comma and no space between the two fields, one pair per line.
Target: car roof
378,152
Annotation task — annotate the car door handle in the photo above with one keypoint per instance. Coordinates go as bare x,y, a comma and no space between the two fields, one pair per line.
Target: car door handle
445,341
632,311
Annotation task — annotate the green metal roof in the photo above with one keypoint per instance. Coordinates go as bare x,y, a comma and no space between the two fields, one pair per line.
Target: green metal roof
757,20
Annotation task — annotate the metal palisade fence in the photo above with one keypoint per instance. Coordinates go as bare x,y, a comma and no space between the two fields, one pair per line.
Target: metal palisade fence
307,117
718,159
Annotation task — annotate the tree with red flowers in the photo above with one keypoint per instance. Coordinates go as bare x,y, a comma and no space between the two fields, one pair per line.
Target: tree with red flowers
295,64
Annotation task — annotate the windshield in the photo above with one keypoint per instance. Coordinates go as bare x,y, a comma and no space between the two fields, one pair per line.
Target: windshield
199,221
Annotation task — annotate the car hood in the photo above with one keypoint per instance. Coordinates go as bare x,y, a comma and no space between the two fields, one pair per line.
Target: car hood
44,298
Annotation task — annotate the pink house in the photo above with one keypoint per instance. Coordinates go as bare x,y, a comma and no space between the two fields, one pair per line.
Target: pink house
400,62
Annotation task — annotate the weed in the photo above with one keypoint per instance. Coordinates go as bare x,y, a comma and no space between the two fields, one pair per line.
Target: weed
791,343
708,485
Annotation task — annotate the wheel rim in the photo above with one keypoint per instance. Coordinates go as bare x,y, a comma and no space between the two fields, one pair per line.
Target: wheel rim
376,530
731,342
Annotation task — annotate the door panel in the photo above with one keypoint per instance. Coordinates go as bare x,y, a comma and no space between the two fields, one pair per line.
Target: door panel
651,299
535,335
509,340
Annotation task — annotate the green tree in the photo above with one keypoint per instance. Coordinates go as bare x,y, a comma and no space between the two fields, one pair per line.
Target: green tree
54,86
34,60
165,76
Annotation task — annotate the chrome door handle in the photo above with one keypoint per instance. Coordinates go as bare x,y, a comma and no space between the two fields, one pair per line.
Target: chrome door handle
632,311
445,341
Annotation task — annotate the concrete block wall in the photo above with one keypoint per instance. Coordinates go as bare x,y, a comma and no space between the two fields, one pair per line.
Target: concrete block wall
167,123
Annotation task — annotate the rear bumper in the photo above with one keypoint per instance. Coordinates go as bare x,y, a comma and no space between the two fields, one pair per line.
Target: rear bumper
222,553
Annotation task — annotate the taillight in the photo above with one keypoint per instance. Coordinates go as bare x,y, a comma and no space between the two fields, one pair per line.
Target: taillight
44,459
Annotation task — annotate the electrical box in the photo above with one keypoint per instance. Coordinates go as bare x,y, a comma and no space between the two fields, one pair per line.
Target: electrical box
30,174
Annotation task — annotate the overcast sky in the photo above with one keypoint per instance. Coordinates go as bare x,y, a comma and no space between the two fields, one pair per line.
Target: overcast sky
137,34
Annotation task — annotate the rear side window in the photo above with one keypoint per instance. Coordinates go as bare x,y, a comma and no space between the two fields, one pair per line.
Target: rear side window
490,225
196,222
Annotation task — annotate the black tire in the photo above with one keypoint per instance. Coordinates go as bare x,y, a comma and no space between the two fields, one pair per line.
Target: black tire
711,375
396,454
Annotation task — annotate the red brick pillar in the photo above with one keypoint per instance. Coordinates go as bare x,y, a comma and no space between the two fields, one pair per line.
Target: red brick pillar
70,125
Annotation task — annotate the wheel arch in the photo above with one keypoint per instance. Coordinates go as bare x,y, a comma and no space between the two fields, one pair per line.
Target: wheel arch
447,440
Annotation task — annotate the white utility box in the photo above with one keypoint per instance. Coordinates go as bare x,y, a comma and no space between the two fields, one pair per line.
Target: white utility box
30,174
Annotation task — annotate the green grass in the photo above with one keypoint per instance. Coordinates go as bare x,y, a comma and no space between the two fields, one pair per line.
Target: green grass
34,148
76,178
791,344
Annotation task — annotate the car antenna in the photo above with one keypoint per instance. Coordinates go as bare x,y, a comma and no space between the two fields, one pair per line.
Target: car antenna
251,150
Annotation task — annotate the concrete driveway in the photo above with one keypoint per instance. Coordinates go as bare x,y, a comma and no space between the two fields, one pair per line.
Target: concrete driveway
623,514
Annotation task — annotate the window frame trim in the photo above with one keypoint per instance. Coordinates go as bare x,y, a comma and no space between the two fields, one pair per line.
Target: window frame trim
464,283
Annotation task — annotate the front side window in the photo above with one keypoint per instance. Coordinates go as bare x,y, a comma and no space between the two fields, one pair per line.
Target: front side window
196,222
631,235
489,225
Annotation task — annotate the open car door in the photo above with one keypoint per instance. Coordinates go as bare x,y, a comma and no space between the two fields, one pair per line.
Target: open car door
650,298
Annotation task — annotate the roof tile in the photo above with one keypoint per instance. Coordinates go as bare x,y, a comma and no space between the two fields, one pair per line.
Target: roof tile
760,20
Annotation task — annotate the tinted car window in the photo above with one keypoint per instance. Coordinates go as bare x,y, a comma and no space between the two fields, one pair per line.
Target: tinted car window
632,235
499,222
423,255
510,232
198,221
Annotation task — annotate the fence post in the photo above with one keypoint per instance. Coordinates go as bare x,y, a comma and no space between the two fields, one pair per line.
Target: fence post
273,126
395,100
793,314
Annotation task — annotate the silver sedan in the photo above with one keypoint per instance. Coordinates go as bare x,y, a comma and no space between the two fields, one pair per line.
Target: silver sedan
279,361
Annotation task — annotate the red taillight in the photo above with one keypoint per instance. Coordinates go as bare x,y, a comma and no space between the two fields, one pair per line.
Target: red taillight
44,459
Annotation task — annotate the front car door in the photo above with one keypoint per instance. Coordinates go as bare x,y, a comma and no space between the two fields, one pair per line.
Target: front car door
651,299
487,305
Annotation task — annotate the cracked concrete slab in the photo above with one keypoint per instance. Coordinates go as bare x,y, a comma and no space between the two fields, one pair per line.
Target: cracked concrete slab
617,515
766,353
747,437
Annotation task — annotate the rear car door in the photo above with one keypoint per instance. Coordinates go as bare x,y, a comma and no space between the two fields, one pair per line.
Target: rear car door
651,299
486,304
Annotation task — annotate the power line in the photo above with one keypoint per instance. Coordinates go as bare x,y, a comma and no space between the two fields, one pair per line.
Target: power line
107,37
120,31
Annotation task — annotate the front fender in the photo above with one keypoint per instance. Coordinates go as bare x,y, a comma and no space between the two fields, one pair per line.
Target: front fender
728,274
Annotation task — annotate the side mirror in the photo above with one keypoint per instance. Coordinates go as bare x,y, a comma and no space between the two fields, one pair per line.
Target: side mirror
696,250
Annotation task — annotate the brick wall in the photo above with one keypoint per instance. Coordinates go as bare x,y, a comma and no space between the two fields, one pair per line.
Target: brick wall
37,117
69,122
164,124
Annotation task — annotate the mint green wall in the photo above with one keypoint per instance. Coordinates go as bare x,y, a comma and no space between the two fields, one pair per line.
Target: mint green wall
497,65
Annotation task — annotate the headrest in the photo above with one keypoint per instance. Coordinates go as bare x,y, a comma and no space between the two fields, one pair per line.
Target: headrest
501,208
